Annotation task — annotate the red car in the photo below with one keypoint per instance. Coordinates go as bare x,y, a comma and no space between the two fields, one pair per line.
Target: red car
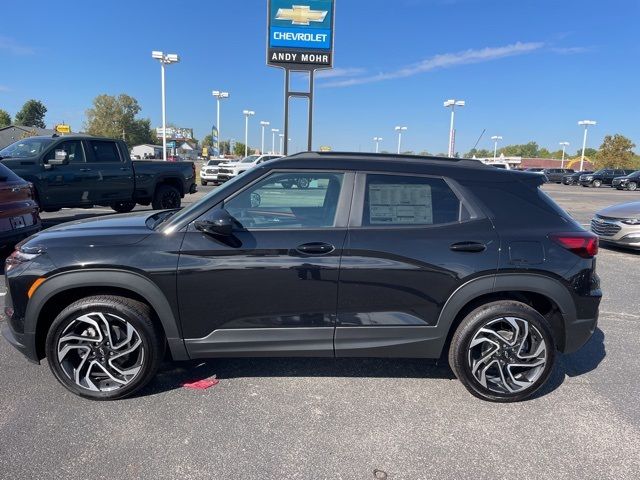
19,212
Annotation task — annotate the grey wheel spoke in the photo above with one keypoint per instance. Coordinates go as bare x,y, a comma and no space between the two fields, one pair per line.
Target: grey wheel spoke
100,351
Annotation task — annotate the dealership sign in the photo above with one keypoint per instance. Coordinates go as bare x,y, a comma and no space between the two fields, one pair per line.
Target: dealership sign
300,34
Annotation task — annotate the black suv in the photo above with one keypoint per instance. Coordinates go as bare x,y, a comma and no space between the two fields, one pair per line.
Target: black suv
379,256
573,178
554,175
601,177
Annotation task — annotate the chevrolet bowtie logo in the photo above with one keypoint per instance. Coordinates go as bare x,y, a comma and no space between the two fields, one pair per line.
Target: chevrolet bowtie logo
301,15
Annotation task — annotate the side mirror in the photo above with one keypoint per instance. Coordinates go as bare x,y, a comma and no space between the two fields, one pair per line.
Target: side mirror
61,158
218,223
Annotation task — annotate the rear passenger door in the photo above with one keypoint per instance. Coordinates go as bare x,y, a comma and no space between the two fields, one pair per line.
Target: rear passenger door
412,241
111,171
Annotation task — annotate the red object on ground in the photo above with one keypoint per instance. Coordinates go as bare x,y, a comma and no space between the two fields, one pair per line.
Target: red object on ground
201,384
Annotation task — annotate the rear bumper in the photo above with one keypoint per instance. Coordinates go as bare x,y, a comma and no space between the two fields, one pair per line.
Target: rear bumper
9,237
578,332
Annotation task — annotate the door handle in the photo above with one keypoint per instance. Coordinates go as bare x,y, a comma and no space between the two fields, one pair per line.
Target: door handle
471,247
85,169
124,169
315,248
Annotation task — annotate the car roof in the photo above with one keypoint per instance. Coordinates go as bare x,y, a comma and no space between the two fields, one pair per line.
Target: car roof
75,136
429,165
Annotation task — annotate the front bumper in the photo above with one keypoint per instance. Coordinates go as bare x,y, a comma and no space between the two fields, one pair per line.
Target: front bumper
585,183
24,343
614,232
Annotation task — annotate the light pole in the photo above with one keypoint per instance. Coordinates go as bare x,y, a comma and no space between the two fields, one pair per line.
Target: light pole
263,125
564,146
165,59
400,130
219,96
496,139
452,133
281,142
273,139
586,124
247,114
377,140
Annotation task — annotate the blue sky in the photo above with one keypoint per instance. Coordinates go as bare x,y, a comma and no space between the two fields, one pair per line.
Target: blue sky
528,69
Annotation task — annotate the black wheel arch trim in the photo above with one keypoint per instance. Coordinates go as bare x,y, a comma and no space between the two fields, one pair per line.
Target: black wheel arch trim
125,280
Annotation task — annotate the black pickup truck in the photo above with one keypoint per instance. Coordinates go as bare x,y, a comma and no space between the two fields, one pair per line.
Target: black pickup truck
83,171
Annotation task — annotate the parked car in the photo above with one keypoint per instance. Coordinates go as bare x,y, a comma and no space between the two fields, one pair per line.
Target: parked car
19,212
628,182
230,170
573,178
83,171
381,256
618,225
555,175
601,177
209,171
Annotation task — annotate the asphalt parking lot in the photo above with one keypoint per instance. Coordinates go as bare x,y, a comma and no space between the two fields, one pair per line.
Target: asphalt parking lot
315,419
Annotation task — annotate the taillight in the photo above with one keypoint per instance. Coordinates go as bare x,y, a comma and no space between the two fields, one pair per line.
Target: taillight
583,244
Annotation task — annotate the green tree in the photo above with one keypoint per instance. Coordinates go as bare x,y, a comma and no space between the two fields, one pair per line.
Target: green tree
527,150
588,152
615,151
5,118
482,153
32,114
239,150
115,117
207,141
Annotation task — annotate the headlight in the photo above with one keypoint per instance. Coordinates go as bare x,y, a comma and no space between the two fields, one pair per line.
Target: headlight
19,257
631,221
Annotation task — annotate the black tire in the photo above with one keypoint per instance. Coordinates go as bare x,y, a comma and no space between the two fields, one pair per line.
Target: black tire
489,315
632,186
137,314
597,183
166,197
303,183
203,183
286,185
123,207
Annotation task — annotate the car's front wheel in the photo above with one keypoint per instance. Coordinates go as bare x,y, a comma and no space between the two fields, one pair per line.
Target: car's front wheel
104,347
503,351
632,186
123,207
597,183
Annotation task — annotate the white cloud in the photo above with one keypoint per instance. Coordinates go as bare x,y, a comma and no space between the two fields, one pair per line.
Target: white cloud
570,50
10,45
341,72
441,61
4,88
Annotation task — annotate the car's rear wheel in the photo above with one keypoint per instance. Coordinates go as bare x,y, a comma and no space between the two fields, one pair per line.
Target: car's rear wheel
166,197
632,186
503,351
597,183
303,183
123,207
104,347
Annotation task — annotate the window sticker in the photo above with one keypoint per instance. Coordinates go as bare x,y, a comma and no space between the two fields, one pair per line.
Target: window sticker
400,204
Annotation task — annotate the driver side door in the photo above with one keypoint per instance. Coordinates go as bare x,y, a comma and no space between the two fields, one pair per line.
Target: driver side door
271,287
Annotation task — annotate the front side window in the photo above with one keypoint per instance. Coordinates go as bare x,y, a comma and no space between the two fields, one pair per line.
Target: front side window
75,152
409,201
300,200
105,152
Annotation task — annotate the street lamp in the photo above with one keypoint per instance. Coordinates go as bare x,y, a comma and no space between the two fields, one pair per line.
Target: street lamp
586,124
452,133
273,139
165,59
219,96
263,125
377,140
247,114
281,142
400,130
564,146
496,139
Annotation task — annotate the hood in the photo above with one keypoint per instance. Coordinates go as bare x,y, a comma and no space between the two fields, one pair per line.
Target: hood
125,229
624,210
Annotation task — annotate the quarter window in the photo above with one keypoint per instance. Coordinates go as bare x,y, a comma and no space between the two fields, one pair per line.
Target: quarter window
405,200
289,200
105,152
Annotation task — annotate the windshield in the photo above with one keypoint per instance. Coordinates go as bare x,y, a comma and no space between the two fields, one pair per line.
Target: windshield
28,147
250,159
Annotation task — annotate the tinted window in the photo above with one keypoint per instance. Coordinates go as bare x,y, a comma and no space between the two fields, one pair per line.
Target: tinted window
403,200
75,152
7,175
289,200
104,151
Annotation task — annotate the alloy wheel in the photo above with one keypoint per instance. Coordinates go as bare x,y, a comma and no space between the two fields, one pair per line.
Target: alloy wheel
507,355
632,186
170,199
100,352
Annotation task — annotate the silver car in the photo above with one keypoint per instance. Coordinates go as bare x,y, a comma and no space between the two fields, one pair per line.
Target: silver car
619,225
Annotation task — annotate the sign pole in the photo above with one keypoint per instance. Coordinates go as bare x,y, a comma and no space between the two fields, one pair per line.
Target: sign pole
310,135
286,111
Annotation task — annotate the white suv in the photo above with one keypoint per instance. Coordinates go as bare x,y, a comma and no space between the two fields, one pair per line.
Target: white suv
209,171
230,170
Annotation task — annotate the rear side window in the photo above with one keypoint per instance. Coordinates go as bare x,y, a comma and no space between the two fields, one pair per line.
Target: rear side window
404,200
104,152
